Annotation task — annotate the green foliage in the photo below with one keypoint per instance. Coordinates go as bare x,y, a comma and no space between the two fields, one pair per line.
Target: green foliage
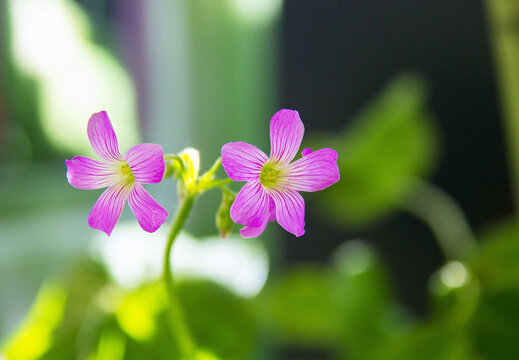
347,306
85,316
431,341
299,307
389,143
34,336
498,263
221,322
368,313
495,325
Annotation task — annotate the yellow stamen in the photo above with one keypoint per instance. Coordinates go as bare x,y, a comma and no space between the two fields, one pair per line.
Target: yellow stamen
269,175
126,171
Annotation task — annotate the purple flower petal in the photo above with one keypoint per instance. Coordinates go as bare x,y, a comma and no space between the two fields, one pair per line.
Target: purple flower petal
286,133
146,162
253,232
148,212
313,172
251,205
272,209
108,208
306,151
242,161
85,173
290,210
102,136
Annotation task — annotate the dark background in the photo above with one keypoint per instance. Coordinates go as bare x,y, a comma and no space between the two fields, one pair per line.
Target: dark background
337,55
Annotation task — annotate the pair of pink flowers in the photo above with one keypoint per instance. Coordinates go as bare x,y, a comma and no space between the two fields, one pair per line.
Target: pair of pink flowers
271,192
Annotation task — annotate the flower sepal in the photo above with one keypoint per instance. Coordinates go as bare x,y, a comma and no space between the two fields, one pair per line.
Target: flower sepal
223,219
173,166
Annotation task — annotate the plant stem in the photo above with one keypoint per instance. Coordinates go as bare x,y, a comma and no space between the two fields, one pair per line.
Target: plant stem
445,218
177,321
504,28
213,184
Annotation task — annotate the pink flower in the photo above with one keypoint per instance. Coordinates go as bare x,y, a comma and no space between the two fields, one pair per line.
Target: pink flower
123,175
273,183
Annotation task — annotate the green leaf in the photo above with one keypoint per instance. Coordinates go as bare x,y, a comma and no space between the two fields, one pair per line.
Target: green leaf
368,313
496,325
432,341
299,306
391,142
34,337
348,307
221,323
497,265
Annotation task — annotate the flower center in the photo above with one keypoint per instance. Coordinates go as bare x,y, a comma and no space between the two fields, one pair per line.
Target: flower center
269,175
126,171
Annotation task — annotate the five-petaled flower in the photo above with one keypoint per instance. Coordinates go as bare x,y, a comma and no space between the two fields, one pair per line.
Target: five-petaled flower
273,183
123,175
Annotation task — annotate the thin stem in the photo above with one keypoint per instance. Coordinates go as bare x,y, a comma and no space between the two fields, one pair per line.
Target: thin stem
179,328
504,20
445,218
213,184
209,173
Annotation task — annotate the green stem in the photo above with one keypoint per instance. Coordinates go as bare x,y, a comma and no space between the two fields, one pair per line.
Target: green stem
213,184
504,28
179,328
445,218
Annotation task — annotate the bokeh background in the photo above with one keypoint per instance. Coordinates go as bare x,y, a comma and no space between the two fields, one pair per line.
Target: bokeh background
409,93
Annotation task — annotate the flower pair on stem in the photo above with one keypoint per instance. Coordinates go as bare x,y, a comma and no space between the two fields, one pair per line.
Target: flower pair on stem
270,194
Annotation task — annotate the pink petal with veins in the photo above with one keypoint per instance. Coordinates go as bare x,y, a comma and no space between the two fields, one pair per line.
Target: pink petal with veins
252,232
242,161
108,208
251,205
102,136
286,133
313,172
148,212
290,210
85,173
146,162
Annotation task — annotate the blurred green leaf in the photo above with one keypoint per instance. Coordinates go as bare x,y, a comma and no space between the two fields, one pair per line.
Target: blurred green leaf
368,313
64,321
220,322
299,306
497,264
391,142
348,307
496,325
83,320
137,312
432,341
34,337
455,292
475,306
111,346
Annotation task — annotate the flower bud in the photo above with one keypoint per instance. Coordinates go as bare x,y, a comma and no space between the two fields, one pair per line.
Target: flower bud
224,222
191,160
